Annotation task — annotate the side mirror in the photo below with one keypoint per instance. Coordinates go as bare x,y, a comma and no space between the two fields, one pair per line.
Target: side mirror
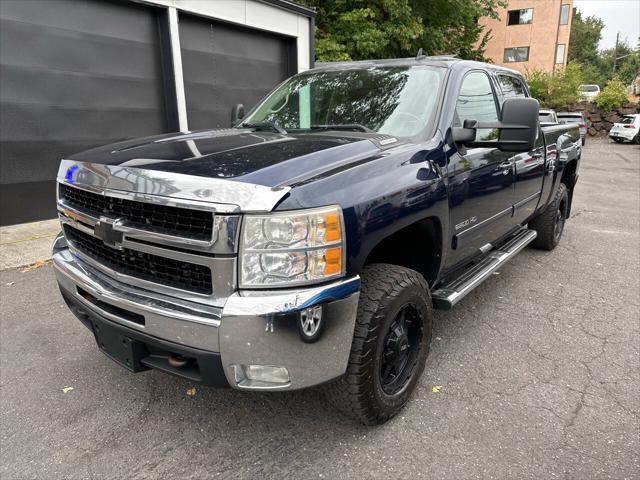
516,132
237,114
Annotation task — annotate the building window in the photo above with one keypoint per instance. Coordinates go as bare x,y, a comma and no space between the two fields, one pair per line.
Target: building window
516,54
560,53
564,14
520,17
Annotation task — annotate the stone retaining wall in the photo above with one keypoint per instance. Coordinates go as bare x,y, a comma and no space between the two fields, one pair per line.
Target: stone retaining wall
600,122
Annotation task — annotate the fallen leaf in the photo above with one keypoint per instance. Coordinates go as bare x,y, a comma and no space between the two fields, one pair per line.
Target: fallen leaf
496,273
9,284
192,391
436,388
34,266
67,389
438,338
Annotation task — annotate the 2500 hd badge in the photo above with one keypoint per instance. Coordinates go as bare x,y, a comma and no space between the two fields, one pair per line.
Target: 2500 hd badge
309,243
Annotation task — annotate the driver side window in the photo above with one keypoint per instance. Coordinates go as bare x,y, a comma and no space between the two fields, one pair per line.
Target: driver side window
476,102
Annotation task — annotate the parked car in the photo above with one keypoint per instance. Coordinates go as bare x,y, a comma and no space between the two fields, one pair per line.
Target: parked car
548,117
627,129
308,244
575,117
589,92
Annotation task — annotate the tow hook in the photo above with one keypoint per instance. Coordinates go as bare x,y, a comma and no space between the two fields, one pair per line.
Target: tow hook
178,361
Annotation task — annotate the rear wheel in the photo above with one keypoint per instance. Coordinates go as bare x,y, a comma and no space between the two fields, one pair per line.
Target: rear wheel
390,344
617,140
636,139
550,224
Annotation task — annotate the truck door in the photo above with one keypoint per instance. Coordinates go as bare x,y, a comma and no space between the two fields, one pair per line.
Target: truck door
529,165
481,180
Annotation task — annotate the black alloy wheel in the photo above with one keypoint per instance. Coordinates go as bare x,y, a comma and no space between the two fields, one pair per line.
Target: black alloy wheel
401,348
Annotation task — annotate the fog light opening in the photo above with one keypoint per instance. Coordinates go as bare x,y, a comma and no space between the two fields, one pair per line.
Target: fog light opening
257,376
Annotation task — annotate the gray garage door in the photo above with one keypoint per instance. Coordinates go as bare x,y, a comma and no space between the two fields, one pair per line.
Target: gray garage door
73,75
224,65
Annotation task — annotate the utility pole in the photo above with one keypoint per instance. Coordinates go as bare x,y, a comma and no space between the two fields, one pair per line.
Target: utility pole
615,53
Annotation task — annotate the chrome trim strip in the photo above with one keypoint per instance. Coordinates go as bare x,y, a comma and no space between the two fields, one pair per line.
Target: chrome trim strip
173,189
484,223
530,198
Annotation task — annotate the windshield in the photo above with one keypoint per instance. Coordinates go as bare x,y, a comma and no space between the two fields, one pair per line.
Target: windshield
589,88
547,117
398,101
627,120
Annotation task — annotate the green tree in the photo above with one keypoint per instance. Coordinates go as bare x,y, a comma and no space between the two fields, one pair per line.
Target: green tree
558,89
585,37
371,29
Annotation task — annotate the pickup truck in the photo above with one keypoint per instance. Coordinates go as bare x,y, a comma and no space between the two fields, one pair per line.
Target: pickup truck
308,244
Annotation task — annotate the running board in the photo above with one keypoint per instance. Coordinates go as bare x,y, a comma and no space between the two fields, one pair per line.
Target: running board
448,295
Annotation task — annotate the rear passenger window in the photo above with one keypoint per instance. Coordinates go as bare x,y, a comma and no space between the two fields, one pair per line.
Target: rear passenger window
511,86
476,102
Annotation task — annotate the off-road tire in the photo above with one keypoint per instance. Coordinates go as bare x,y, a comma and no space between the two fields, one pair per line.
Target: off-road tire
386,291
546,223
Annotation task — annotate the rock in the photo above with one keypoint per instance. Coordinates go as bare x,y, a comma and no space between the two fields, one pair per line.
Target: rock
592,131
589,123
612,118
596,118
626,111
598,126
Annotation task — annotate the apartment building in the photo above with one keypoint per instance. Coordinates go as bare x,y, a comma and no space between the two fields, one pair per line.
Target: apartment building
530,34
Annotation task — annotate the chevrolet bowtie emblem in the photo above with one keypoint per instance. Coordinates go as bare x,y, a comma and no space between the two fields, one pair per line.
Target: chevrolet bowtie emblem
105,231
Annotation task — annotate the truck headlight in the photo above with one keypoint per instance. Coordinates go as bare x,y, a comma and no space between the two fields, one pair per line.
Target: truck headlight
292,248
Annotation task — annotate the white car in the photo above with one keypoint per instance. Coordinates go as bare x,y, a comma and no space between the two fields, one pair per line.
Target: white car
627,129
589,91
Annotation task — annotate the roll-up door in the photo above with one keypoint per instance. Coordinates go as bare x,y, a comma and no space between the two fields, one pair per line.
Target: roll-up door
73,75
225,64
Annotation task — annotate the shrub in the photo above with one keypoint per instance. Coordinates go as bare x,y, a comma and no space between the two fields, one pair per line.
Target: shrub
613,95
558,89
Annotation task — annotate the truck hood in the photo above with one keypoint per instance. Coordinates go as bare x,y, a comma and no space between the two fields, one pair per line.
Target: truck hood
261,158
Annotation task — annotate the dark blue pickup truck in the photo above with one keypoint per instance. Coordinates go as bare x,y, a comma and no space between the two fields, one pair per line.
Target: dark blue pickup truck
309,243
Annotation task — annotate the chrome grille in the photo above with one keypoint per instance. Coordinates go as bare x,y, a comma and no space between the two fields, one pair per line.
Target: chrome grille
153,268
167,220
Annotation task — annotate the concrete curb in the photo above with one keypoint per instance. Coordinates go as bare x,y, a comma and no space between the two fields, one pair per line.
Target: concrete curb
27,243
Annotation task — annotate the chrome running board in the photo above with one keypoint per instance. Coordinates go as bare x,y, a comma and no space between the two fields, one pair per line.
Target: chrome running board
446,296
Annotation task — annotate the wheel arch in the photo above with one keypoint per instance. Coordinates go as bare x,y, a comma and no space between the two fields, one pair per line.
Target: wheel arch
400,248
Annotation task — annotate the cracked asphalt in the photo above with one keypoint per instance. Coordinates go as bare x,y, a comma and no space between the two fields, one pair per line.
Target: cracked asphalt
539,369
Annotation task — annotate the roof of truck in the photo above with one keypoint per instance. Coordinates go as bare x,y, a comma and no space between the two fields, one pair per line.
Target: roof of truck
444,61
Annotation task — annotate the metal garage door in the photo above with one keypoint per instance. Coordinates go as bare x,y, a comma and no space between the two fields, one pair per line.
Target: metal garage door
224,65
73,75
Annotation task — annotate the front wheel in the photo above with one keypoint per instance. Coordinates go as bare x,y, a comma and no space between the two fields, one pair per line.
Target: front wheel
390,345
550,223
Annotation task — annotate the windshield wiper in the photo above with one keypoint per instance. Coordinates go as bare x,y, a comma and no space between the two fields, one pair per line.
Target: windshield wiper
265,126
345,126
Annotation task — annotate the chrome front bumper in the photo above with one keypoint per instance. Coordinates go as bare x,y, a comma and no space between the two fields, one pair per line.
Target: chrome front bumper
253,328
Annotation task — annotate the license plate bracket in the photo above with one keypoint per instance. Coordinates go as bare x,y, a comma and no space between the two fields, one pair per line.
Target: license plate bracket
121,349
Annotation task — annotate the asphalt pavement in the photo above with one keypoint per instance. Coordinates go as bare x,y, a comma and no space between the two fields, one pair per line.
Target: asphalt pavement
535,375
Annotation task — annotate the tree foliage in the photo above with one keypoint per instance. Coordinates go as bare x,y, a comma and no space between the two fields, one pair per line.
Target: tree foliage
614,95
372,29
597,65
586,34
558,89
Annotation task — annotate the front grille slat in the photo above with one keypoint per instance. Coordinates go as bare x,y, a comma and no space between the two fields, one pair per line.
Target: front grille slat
153,268
176,221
